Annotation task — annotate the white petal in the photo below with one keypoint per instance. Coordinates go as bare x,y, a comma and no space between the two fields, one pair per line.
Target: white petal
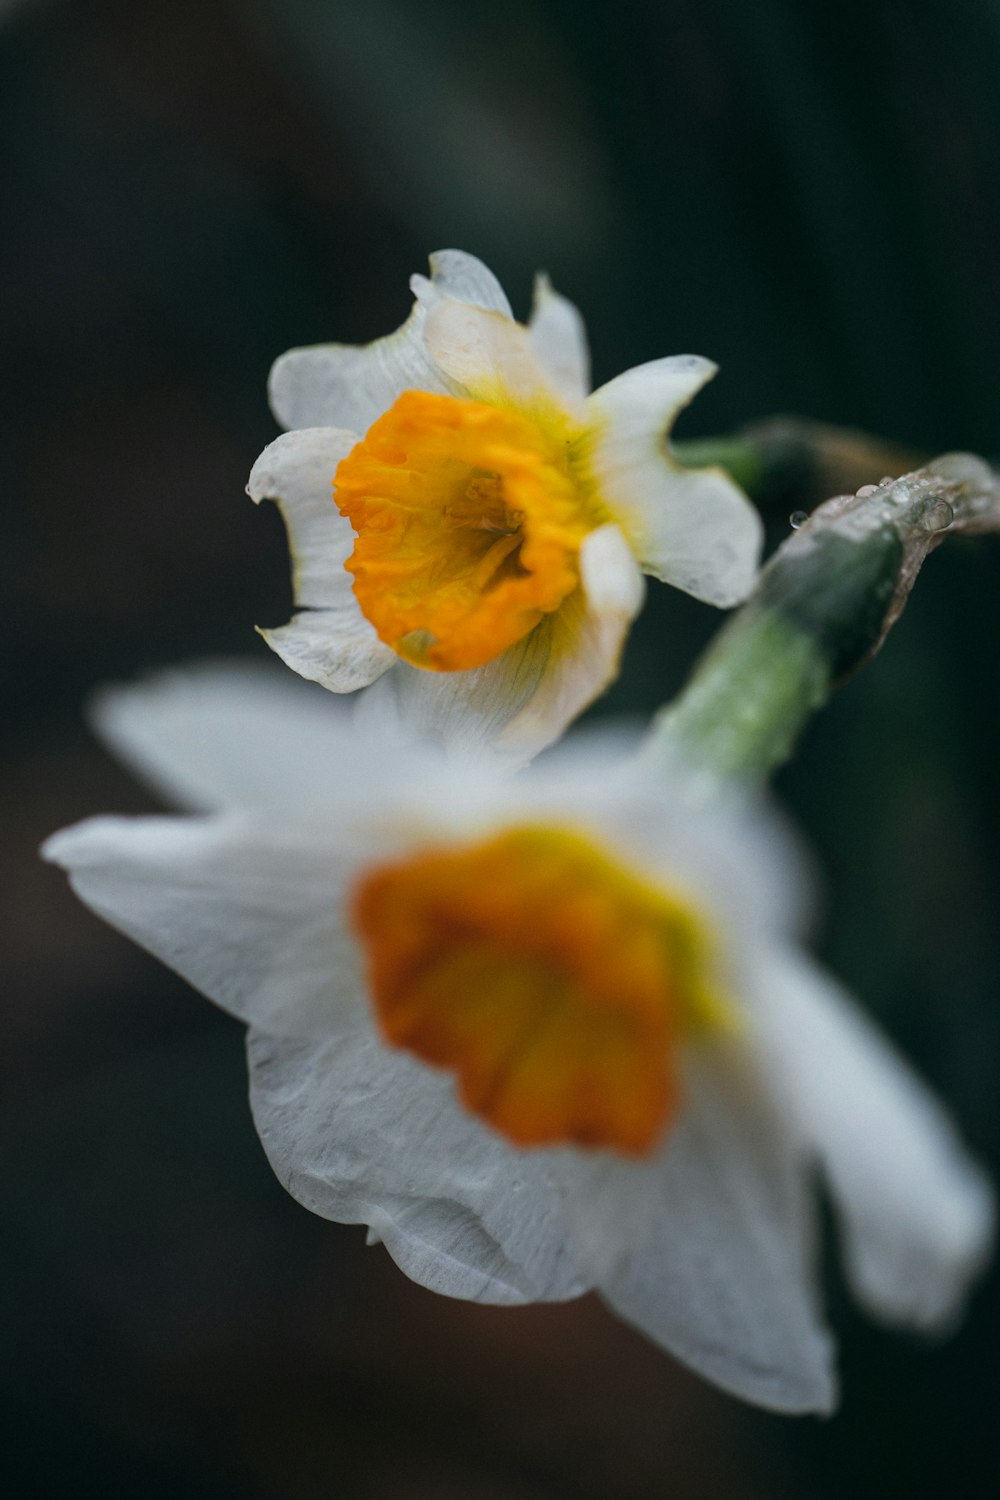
559,339
331,641
251,914
586,638
776,862
351,385
228,734
296,472
747,849
724,1279
917,1215
490,357
465,712
346,385
248,914
693,528
523,700
337,648
455,273
362,1133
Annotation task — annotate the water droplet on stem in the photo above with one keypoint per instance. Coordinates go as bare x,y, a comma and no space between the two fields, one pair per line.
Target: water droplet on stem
938,517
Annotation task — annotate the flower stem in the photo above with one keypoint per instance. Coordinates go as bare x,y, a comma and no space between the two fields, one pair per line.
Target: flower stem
781,459
823,606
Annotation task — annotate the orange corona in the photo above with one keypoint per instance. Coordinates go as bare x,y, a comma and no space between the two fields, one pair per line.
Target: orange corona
468,527
549,978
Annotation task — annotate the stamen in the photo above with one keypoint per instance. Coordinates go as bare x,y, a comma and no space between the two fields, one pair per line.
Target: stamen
485,574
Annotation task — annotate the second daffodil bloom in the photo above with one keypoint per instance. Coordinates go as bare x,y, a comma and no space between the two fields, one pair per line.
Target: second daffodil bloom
541,1035
463,513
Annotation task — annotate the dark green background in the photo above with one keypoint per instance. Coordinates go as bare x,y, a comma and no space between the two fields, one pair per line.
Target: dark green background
808,193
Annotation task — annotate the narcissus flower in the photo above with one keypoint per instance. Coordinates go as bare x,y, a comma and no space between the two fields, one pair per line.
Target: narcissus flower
460,510
540,1035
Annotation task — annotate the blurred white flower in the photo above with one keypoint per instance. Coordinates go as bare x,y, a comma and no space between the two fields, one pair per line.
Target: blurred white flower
491,528
541,1035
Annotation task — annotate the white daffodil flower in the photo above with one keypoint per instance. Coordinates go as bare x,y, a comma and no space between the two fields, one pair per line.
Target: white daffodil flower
540,1035
461,511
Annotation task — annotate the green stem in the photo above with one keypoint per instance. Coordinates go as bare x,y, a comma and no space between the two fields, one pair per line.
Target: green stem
795,461
745,460
823,606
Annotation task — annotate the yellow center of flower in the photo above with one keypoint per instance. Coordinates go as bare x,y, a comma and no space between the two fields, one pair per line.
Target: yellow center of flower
551,979
469,525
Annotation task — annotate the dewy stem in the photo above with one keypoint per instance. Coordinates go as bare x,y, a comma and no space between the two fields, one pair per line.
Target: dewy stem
823,606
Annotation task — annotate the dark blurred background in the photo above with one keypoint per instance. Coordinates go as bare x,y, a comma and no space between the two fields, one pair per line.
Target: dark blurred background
808,193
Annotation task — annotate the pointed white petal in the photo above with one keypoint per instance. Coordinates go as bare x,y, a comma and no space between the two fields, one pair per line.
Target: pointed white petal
693,528
490,357
346,385
228,734
248,914
917,1214
523,700
455,273
559,340
724,1279
361,1133
331,641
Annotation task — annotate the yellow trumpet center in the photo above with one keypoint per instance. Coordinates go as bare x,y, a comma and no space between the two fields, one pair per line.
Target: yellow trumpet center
552,980
468,528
